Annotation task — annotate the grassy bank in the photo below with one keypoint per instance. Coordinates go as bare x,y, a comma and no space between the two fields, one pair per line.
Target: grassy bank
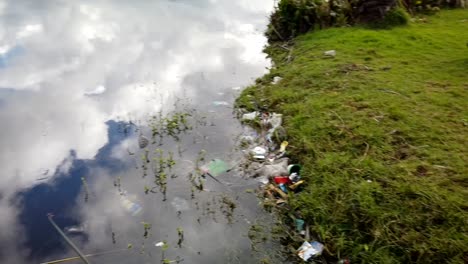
381,130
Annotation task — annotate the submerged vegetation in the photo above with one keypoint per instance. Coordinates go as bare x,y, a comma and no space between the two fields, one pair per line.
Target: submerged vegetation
380,129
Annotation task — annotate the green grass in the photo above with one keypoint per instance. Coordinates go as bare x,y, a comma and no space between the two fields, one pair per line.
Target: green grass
381,131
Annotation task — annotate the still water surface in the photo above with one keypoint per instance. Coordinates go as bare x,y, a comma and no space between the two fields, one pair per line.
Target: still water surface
81,82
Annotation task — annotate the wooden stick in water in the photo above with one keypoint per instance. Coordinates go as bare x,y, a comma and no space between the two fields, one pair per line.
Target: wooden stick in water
70,243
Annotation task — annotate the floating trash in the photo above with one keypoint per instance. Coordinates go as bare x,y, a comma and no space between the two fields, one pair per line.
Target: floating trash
221,103
159,244
74,229
130,206
143,141
215,167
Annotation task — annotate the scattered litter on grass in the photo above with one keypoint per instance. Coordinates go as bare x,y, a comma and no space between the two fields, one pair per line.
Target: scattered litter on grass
296,185
344,261
294,177
294,168
283,146
272,168
276,80
330,53
250,116
308,250
300,226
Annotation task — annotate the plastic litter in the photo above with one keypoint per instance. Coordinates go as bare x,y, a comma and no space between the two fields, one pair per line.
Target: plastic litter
294,177
215,167
262,179
276,80
250,116
283,146
220,103
143,141
281,180
300,226
159,244
247,139
330,53
275,120
278,191
252,169
279,168
294,168
308,250
283,187
75,229
344,261
259,152
295,185
130,206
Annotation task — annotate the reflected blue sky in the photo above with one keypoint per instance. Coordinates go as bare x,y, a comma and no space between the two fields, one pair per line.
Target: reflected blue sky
74,75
